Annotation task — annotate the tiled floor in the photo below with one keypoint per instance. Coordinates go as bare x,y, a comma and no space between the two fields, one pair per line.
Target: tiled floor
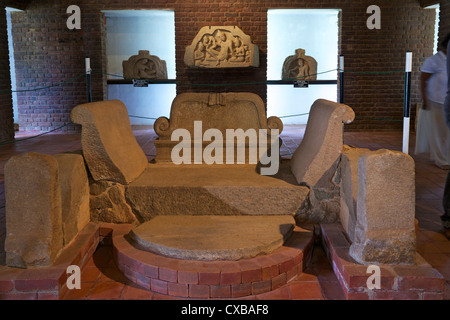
102,280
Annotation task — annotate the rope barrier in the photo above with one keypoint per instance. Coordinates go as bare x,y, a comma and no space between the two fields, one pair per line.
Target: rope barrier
373,73
41,134
195,84
294,115
140,117
43,88
214,84
377,119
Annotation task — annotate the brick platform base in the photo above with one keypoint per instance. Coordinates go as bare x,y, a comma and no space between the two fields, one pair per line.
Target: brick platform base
213,279
402,282
49,283
223,279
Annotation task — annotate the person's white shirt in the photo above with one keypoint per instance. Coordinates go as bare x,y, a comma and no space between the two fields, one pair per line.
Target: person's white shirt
437,84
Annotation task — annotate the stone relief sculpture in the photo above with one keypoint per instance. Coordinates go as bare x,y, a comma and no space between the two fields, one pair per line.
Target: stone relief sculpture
299,66
221,47
144,66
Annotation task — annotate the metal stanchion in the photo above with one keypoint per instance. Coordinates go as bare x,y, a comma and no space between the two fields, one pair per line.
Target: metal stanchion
341,79
88,80
407,103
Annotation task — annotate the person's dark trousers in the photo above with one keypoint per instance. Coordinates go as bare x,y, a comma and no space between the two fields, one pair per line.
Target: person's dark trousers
446,203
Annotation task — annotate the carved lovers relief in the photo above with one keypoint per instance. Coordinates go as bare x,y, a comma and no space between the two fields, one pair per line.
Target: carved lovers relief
221,47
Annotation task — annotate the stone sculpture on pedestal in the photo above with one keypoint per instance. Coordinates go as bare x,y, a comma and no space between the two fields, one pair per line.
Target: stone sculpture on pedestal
299,66
144,66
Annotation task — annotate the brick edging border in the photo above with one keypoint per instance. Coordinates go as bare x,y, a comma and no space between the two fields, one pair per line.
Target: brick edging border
398,282
49,283
213,279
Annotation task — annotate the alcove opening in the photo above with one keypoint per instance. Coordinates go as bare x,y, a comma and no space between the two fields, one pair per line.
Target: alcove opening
317,32
128,32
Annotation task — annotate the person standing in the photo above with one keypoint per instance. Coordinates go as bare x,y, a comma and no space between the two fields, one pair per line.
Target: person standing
433,135
446,199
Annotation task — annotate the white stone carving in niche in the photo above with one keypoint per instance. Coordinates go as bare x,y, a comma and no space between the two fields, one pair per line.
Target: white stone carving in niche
222,47
144,66
299,66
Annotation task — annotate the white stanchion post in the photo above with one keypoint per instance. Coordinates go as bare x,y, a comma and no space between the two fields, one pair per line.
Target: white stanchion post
88,80
407,103
341,79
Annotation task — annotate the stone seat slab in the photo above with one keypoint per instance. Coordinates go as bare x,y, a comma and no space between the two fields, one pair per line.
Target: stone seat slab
213,237
169,189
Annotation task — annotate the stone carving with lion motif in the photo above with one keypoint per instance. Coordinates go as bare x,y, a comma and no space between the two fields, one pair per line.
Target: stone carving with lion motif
144,66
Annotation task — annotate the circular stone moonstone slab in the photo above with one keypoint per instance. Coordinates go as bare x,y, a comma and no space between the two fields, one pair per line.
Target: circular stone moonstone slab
213,237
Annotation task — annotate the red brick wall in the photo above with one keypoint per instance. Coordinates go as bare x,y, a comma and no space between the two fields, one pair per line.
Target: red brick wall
47,52
6,111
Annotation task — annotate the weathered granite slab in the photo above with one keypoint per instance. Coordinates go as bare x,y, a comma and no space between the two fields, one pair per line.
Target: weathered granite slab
109,145
315,161
108,203
34,233
213,237
168,189
349,188
74,184
385,228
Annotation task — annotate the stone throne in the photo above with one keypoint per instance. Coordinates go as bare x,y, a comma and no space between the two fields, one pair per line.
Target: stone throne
167,192
218,231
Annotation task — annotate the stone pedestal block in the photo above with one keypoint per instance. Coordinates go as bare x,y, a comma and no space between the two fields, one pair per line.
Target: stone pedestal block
385,232
74,185
109,145
34,234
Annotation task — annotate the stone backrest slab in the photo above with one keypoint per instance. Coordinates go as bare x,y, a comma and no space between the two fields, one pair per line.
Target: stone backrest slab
34,235
241,110
221,111
322,144
109,145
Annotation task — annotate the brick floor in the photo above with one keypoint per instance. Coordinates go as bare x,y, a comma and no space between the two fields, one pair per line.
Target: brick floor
102,280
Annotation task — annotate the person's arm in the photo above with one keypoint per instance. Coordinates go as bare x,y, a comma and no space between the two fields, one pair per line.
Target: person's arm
423,88
447,100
